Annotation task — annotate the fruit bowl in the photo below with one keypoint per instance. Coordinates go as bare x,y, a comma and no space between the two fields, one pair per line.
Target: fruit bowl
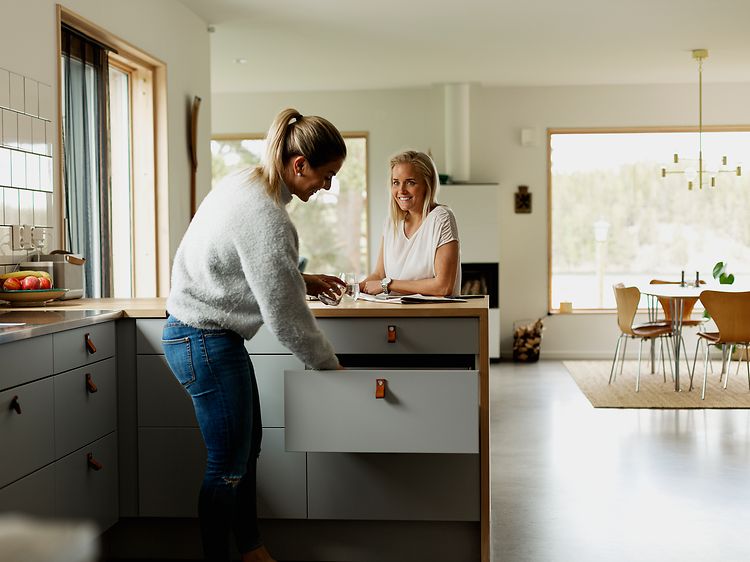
35,296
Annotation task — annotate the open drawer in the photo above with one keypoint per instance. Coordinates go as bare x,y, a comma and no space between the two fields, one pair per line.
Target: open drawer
421,411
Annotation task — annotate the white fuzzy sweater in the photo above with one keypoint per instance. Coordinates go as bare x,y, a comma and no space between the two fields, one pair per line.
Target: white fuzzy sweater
236,268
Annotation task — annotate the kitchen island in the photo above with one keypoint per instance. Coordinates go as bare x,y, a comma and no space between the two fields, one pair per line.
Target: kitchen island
350,475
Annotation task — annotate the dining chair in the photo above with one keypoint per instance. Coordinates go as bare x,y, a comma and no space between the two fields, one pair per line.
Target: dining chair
627,299
731,313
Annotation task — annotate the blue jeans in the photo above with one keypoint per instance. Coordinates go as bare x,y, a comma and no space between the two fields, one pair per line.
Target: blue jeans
215,369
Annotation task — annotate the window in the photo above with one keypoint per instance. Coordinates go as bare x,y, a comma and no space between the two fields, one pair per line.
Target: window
332,226
111,185
613,218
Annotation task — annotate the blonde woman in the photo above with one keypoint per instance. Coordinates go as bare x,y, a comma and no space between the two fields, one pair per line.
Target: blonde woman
419,251
236,269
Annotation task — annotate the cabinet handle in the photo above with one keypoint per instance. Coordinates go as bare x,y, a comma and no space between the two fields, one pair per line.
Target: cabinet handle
391,334
15,405
90,344
92,462
90,384
380,387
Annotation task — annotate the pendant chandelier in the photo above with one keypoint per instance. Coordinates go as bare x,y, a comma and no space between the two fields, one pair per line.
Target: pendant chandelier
699,175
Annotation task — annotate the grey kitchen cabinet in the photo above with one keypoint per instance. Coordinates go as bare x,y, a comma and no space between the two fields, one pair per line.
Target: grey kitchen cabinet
171,453
57,411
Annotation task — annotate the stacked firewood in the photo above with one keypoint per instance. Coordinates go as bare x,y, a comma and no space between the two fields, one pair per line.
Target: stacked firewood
527,338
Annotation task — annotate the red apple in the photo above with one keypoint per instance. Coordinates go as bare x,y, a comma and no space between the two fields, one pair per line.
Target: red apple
45,283
30,283
12,284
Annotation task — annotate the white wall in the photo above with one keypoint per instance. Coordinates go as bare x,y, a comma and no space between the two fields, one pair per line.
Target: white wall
166,30
397,119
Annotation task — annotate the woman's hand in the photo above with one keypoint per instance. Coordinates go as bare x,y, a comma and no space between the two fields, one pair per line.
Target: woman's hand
327,284
371,287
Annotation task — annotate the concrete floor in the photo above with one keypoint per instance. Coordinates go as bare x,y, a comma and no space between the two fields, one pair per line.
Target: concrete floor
572,483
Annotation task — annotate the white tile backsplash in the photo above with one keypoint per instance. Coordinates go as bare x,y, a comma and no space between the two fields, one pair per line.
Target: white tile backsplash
24,133
26,206
45,173
4,88
4,167
31,96
32,171
45,102
10,202
43,209
38,136
49,137
10,128
16,92
18,169
27,135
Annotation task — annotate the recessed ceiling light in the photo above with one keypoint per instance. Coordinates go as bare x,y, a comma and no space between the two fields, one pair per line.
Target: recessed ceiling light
240,61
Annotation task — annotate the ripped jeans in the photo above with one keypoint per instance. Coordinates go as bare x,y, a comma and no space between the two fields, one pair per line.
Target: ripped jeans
215,369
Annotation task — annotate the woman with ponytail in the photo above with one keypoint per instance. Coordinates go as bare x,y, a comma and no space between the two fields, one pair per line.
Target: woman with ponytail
236,269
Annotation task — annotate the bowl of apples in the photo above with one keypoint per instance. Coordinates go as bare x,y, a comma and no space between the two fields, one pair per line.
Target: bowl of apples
30,287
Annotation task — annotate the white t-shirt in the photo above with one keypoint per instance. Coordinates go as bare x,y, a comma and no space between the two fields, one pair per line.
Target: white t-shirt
413,258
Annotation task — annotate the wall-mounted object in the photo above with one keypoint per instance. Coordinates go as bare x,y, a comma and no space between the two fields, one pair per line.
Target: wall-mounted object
195,106
528,137
523,199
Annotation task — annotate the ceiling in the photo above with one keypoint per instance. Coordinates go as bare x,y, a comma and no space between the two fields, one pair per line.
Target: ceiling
292,45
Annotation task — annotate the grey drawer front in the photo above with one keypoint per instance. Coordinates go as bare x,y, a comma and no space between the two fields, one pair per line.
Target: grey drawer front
413,335
28,438
269,372
81,416
406,487
282,482
422,412
70,346
84,493
162,400
148,335
264,341
25,360
171,462
33,495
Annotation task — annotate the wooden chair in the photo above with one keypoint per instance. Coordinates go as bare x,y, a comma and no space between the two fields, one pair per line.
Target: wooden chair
731,313
627,299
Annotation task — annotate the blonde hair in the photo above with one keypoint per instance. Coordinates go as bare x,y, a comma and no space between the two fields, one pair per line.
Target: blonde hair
293,134
425,166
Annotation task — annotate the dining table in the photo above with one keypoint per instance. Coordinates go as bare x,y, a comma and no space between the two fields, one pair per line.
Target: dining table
676,294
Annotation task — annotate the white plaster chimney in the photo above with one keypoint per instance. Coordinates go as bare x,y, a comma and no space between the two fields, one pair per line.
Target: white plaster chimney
457,149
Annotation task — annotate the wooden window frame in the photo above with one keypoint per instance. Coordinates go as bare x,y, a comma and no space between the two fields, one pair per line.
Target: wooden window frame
151,266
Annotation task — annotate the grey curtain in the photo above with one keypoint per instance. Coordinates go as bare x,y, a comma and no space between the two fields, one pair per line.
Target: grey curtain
85,74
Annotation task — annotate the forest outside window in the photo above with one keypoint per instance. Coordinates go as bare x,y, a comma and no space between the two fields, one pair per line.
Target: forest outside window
614,219
332,226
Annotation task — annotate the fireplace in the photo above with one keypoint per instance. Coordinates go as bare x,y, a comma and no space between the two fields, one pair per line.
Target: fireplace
480,279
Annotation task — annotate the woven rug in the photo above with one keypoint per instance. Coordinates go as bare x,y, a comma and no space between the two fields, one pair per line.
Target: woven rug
592,378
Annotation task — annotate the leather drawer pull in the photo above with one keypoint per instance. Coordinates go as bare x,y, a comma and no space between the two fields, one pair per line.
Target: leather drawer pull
380,387
92,462
15,405
90,384
391,334
90,344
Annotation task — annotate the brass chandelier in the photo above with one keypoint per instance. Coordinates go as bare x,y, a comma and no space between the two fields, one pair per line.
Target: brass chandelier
700,176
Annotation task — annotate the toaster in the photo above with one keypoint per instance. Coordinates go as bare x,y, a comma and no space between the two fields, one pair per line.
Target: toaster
66,271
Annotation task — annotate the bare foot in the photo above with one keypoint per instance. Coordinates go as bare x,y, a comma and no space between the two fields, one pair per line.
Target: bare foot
259,554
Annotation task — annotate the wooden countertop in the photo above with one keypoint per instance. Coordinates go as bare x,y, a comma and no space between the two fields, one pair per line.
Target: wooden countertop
156,308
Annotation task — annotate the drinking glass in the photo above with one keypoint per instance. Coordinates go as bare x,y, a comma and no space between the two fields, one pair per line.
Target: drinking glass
332,300
352,286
